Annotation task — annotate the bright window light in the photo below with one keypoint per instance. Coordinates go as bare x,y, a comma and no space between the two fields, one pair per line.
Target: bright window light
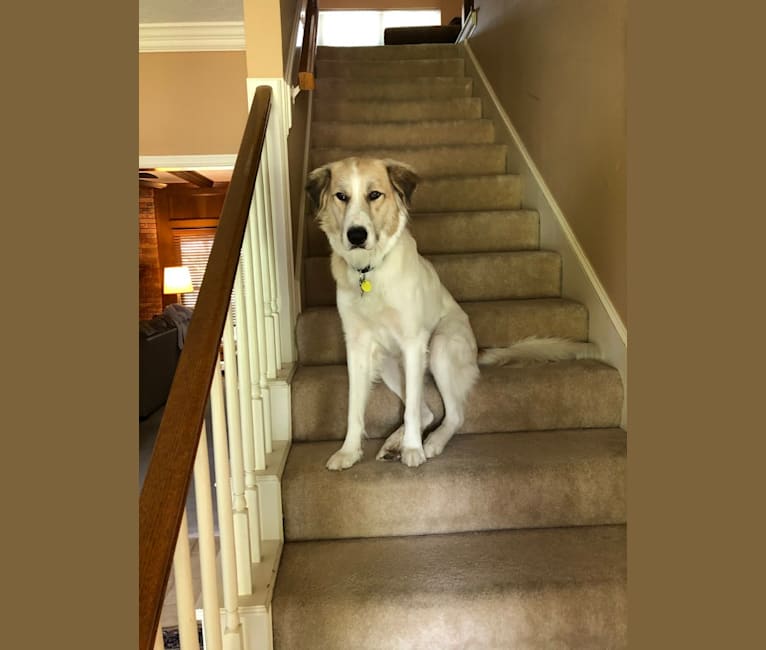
350,28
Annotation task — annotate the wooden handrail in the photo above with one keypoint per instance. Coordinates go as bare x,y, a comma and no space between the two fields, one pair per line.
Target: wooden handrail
168,476
306,79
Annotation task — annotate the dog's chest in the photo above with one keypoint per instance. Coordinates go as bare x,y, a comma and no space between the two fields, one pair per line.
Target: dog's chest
377,314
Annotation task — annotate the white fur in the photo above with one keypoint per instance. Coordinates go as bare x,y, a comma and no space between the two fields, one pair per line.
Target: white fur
406,324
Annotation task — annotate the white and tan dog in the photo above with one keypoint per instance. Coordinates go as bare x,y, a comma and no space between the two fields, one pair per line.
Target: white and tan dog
398,319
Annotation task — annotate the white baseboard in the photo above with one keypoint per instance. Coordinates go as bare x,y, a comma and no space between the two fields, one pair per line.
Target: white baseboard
579,280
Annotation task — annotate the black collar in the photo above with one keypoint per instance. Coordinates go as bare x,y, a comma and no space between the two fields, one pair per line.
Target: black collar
366,269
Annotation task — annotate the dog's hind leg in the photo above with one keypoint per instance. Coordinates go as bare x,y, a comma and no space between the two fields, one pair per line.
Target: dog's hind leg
391,374
453,365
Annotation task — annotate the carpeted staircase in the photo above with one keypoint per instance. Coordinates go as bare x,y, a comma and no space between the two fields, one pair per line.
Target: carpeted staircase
515,536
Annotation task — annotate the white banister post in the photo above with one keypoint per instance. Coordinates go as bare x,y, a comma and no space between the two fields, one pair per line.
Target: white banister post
262,245
239,504
272,307
256,254
182,571
250,272
251,411
232,634
207,553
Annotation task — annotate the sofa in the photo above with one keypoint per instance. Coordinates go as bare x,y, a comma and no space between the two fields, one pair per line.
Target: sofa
158,353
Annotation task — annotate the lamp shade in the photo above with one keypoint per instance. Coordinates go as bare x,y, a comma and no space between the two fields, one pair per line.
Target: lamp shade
177,280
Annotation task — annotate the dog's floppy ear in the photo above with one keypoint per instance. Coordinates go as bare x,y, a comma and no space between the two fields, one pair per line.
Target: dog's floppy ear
316,183
403,178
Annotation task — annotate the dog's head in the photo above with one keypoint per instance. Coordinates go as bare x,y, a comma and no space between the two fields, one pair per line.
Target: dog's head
361,205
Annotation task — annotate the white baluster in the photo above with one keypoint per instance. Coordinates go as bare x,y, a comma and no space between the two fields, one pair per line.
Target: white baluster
268,188
263,249
207,553
232,633
241,510
251,408
255,319
255,252
187,622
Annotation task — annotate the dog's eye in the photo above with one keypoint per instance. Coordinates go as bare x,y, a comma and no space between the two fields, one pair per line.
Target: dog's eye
374,195
341,196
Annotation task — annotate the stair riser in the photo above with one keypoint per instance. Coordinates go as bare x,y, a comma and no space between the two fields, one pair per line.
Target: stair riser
389,69
477,232
562,395
320,340
461,108
556,479
388,53
489,276
346,134
331,89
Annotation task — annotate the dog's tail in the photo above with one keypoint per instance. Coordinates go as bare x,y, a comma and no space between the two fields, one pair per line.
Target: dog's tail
538,349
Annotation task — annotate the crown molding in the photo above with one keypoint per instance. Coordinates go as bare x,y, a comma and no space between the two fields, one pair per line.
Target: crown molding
191,37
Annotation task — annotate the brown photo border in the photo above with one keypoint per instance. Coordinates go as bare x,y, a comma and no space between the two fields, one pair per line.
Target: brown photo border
695,134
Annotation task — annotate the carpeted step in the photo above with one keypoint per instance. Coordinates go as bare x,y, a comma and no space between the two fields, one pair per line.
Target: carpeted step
320,341
561,395
429,161
491,481
402,134
551,588
459,232
441,67
467,276
389,52
335,88
456,108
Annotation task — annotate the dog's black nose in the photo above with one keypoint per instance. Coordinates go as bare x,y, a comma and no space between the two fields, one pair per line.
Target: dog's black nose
357,235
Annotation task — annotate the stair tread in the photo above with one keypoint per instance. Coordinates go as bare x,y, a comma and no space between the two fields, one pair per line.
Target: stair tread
556,478
561,395
414,67
320,340
561,587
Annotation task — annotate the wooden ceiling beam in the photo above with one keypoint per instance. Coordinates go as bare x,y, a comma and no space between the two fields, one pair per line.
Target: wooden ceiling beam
195,178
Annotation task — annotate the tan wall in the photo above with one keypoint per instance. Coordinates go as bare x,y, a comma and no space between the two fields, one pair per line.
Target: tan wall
263,37
558,68
449,8
191,102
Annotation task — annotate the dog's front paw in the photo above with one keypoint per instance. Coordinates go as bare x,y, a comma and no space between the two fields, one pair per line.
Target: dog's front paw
413,456
343,459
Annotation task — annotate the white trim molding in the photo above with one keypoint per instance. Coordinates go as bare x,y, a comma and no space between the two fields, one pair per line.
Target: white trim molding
579,280
192,37
201,162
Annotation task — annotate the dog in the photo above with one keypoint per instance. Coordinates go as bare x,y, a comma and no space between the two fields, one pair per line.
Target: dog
398,318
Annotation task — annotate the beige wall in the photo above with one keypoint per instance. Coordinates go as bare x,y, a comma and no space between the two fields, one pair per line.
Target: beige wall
263,37
558,68
191,103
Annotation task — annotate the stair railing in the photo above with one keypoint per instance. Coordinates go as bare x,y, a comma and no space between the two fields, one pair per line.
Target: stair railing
227,367
307,61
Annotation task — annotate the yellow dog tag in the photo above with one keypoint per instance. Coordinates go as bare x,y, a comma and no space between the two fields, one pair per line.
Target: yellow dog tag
365,286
